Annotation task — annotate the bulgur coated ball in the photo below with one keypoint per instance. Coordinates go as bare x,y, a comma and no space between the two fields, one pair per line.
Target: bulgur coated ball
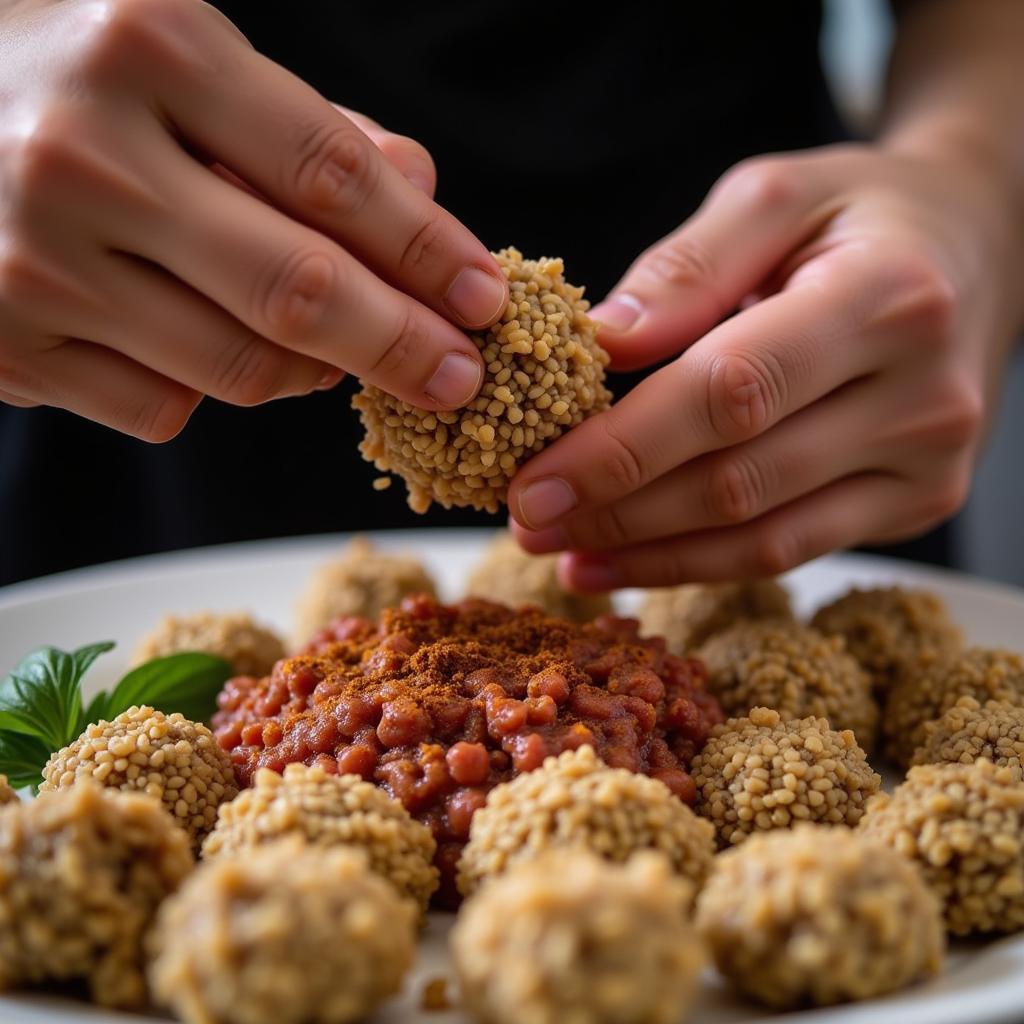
330,810
569,937
544,373
969,730
921,696
889,629
575,800
506,573
7,794
287,934
964,826
363,581
250,648
764,772
686,616
163,756
793,669
82,872
817,916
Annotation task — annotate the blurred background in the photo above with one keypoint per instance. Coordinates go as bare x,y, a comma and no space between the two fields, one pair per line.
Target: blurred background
855,45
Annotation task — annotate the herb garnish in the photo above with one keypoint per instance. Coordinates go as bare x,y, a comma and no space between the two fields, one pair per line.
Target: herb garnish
41,707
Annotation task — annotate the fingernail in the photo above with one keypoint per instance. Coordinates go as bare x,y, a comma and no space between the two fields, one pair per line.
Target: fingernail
476,297
456,381
546,500
619,313
587,575
331,378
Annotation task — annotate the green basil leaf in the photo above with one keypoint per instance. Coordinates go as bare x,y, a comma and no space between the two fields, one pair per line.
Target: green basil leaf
22,759
96,711
187,682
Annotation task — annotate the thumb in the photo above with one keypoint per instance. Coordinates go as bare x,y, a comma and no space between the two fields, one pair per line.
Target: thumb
677,290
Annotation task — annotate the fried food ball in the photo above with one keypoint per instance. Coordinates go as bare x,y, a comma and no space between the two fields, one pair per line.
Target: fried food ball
817,916
687,616
7,794
544,374
969,730
163,756
571,937
793,669
576,800
506,573
889,629
764,772
250,648
919,697
363,581
82,872
330,810
963,825
287,934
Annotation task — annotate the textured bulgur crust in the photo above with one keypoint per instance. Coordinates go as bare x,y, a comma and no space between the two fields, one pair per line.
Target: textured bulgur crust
330,811
7,794
687,616
969,730
574,800
793,669
919,697
163,756
250,648
362,581
764,772
571,937
287,934
82,872
963,825
544,374
508,574
819,916
889,629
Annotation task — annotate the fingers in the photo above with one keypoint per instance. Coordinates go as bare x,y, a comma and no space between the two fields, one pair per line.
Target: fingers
411,159
686,283
842,514
745,376
292,286
313,162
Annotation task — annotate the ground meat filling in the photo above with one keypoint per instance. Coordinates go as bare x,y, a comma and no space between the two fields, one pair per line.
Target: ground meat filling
438,704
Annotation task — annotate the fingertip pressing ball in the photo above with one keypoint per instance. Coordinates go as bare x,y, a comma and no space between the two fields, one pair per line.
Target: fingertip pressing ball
82,872
963,825
250,649
687,616
286,934
165,757
330,811
921,696
362,582
7,794
889,629
817,916
764,772
506,573
574,800
571,937
544,374
793,669
969,730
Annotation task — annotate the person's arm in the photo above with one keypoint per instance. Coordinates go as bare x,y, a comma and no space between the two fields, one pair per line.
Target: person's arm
879,293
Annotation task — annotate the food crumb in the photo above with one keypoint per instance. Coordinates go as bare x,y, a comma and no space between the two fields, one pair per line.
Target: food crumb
382,483
435,996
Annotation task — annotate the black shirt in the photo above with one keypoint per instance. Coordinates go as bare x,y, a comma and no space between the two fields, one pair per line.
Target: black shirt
559,130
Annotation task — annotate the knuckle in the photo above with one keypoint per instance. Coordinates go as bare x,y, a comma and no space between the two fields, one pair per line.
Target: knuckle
947,497
924,296
293,297
161,419
621,462
428,247
761,183
407,339
963,408
678,262
735,489
774,552
249,372
335,169
40,160
746,392
608,529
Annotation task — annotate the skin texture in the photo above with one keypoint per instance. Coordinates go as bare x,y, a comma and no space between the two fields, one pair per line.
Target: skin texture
180,216
845,402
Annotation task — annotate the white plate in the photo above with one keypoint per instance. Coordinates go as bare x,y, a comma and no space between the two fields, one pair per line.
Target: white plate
982,984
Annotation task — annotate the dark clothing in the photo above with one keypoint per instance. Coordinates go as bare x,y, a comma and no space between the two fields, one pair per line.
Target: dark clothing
561,132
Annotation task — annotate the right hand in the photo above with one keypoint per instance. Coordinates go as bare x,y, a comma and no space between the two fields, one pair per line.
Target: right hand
180,216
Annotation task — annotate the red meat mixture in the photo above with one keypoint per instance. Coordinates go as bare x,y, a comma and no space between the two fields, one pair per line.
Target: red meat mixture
438,704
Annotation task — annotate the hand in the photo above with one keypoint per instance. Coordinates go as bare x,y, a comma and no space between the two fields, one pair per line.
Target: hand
180,216
843,404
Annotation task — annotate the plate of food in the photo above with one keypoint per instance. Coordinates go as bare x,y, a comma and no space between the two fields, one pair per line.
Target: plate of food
407,777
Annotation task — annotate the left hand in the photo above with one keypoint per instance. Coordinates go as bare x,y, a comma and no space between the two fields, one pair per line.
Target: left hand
844,404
